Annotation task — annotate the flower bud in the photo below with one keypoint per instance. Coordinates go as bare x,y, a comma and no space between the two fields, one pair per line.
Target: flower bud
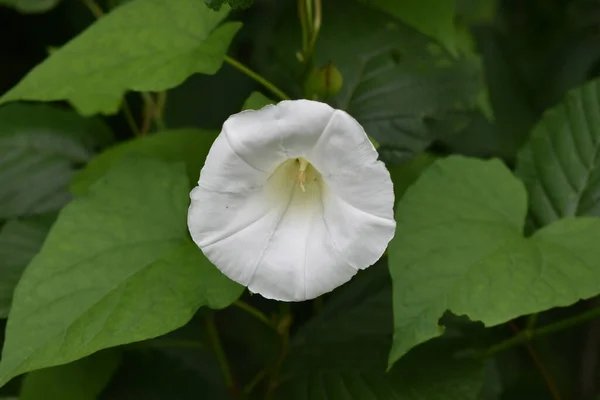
323,82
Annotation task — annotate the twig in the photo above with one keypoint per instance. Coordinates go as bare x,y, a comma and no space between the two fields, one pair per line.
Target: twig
255,381
247,71
213,335
540,366
527,335
283,328
129,118
94,8
256,313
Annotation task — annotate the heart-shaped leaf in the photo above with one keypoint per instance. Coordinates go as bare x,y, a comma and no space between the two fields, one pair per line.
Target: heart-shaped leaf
143,45
460,247
117,267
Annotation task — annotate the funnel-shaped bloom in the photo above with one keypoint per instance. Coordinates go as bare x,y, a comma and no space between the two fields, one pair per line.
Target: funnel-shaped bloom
292,200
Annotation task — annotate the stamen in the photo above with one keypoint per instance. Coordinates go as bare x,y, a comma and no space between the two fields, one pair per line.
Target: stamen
301,178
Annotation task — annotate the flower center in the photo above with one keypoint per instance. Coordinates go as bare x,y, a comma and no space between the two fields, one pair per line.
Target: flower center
295,175
301,177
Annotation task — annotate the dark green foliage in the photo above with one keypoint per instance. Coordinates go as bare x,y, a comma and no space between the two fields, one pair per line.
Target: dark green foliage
235,4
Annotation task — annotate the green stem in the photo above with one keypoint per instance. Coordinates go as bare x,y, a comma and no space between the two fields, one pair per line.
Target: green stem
94,8
283,327
528,334
303,26
316,27
309,14
256,313
255,381
130,120
153,111
247,71
161,102
219,352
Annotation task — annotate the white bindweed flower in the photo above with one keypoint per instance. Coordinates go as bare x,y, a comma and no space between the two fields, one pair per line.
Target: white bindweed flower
292,200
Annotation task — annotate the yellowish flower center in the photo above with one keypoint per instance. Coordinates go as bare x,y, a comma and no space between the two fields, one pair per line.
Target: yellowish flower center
301,177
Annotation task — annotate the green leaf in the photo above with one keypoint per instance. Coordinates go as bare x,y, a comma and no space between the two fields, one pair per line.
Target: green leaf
40,149
404,89
30,6
82,380
558,163
117,267
256,101
514,114
403,176
217,4
342,352
20,241
434,18
186,145
462,249
144,45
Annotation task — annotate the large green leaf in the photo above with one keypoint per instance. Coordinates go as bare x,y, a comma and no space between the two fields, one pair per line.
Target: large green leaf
117,267
434,18
30,6
342,352
514,113
256,101
40,149
82,380
186,145
20,241
559,163
404,89
144,45
461,248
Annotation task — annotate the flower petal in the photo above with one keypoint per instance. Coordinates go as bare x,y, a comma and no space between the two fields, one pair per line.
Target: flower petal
267,137
358,205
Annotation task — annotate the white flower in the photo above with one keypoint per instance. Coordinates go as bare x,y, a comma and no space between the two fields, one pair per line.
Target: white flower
292,200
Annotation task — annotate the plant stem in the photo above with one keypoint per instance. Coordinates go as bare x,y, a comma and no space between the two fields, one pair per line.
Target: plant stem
148,113
283,327
309,14
528,334
256,313
153,110
303,25
161,102
94,8
316,27
539,364
213,335
247,71
255,381
98,13
130,120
